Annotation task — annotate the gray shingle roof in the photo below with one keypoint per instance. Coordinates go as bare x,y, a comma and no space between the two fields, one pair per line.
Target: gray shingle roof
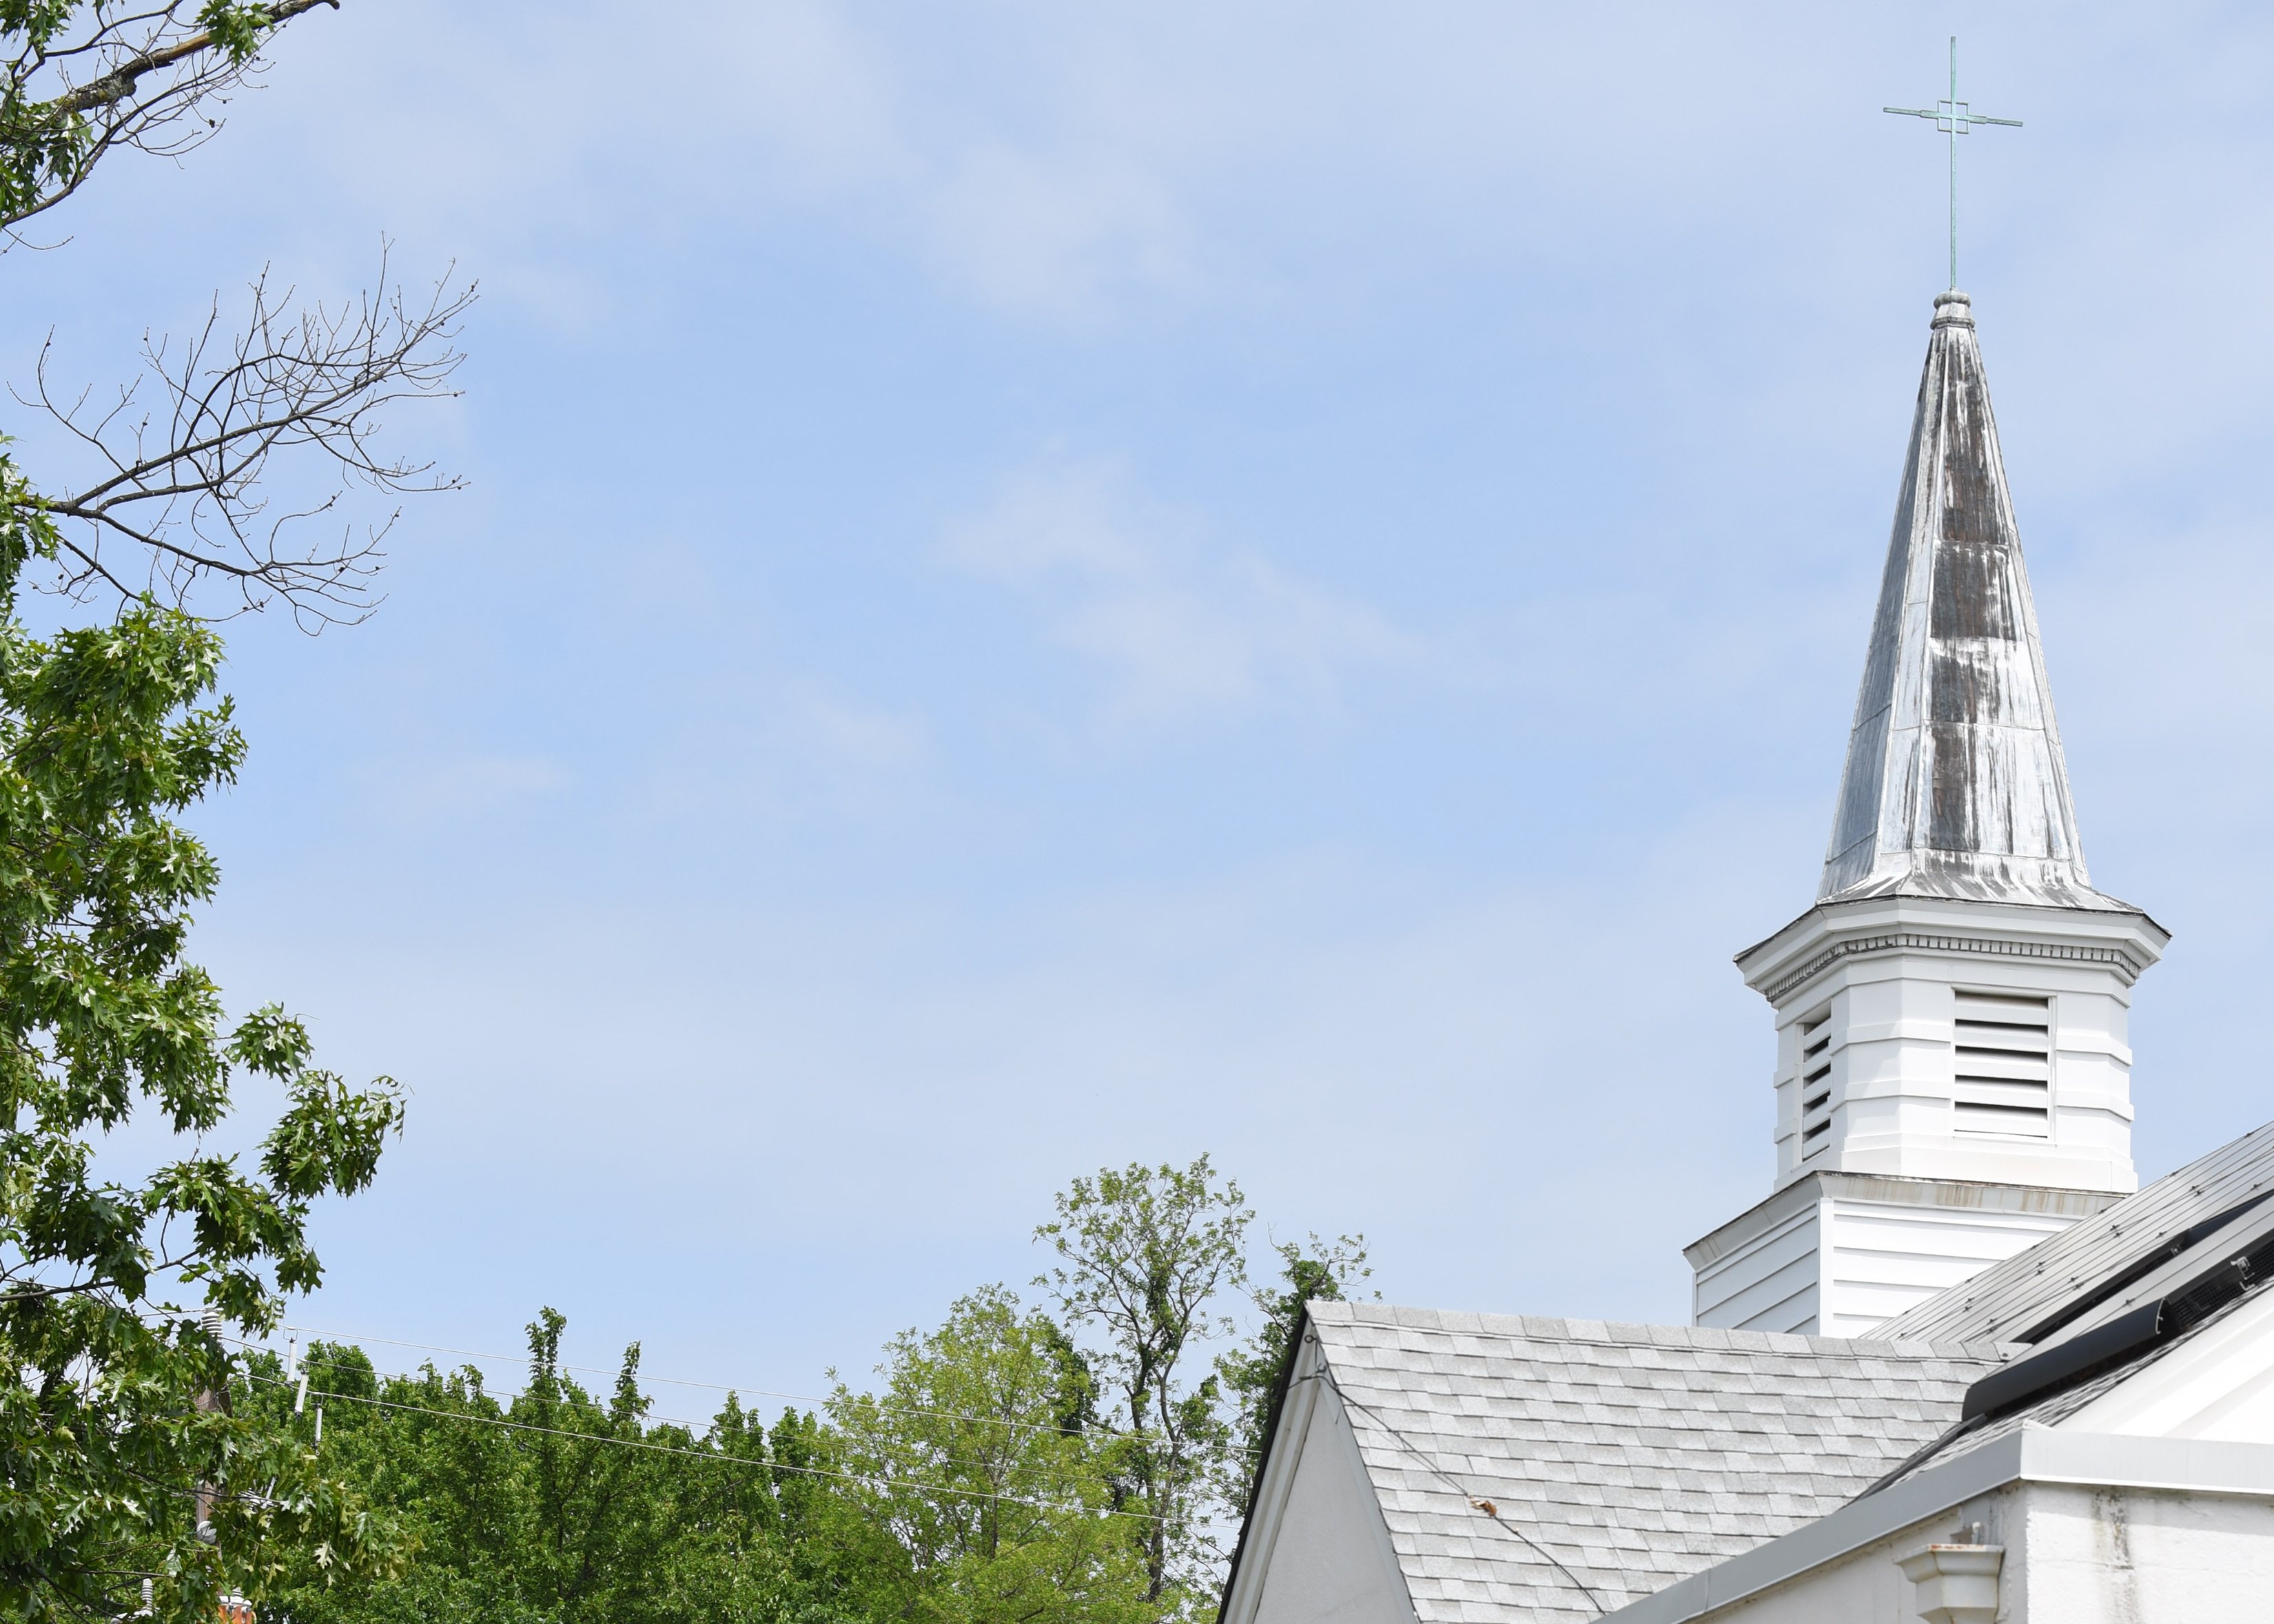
2008,1298
1636,1454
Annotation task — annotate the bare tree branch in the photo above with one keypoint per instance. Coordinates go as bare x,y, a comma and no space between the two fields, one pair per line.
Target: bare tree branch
119,83
79,82
178,495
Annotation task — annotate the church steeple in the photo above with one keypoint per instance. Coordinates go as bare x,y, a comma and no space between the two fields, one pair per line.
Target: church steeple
1953,1076
1954,784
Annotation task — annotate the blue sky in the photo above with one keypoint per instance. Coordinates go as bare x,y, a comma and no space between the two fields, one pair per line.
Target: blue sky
1047,586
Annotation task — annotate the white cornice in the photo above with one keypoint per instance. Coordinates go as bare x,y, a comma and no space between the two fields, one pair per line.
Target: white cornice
1955,1194
2126,964
1831,933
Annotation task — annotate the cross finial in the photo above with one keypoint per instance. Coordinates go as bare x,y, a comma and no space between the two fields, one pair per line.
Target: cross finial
1953,118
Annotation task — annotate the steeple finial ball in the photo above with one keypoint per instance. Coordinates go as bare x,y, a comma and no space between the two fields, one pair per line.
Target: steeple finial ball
1953,309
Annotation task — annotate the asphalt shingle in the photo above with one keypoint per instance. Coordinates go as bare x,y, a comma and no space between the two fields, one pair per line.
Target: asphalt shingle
1633,1456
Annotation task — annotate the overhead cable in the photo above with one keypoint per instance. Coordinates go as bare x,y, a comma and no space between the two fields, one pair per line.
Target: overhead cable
889,1483
645,1417
1489,1507
714,1386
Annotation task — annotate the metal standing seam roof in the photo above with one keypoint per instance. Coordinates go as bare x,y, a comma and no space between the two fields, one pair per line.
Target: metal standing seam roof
1954,784
1632,1454
2008,1298
2060,1403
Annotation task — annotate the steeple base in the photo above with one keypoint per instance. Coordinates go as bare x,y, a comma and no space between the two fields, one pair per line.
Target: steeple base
1836,1254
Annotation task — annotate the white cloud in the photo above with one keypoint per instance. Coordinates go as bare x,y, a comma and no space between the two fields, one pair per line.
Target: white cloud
1053,159
801,752
1183,630
849,739
1048,159
1050,234
466,787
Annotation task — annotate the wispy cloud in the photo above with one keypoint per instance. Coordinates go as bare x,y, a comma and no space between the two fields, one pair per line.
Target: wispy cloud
464,788
849,737
1184,630
801,751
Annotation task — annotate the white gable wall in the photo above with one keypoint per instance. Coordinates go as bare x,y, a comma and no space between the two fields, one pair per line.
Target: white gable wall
1318,1550
2217,1385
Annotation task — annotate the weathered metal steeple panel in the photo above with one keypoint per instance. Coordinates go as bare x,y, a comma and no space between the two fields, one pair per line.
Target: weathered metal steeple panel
1954,785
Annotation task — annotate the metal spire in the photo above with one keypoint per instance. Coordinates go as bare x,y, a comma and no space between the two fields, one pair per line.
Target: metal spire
1953,118
1955,784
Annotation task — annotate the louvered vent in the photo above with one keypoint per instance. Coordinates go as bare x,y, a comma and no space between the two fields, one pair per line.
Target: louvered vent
2005,1071
1815,1084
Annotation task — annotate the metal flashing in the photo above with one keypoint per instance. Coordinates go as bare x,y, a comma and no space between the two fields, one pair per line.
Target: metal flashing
2029,1454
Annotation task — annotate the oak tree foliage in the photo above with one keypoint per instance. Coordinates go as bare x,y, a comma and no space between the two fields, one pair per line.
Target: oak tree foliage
115,1248
136,1252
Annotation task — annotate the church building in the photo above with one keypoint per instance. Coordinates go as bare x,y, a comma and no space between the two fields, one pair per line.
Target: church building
1957,1366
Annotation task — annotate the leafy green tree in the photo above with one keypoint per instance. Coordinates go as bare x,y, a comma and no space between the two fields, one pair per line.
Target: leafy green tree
557,1506
117,1460
985,1456
1143,1253
984,1480
1310,1272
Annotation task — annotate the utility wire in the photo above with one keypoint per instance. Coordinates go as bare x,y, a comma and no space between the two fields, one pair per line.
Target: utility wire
700,1454
714,1387
645,1417
1487,1507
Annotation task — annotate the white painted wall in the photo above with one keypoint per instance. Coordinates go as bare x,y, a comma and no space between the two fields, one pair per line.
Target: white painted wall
1839,1255
2141,1556
1331,1562
1884,971
1881,1257
1765,1272
2074,1556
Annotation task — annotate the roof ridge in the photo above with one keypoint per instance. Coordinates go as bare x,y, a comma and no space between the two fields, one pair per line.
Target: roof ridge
1337,1312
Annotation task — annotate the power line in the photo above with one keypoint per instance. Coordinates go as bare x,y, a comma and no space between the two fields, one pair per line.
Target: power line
1488,1507
510,1393
889,1483
714,1386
